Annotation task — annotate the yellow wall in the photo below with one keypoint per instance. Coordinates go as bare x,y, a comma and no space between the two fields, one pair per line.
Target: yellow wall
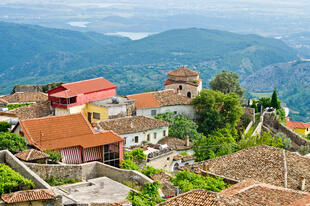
32,203
92,108
302,131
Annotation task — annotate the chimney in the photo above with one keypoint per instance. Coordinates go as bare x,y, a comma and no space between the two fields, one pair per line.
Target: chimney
187,141
303,184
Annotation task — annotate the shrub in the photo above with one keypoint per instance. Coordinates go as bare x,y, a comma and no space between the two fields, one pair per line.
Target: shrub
54,181
10,181
4,126
15,106
129,165
184,153
304,149
55,156
12,142
149,171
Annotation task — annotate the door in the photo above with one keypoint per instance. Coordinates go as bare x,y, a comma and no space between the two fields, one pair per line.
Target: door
89,116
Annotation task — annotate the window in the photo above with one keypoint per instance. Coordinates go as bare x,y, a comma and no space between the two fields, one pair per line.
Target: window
189,95
111,154
148,137
175,112
155,135
180,87
136,139
168,158
125,138
96,115
153,112
164,133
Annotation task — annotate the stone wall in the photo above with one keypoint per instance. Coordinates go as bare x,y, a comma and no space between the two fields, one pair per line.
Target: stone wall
271,121
28,88
249,113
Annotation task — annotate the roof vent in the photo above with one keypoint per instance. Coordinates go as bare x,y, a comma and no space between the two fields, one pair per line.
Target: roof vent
115,100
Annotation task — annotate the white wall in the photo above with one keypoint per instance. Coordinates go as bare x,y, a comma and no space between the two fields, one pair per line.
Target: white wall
113,111
130,138
187,110
70,110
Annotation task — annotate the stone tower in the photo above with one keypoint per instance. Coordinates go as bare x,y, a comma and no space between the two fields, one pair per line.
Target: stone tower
185,81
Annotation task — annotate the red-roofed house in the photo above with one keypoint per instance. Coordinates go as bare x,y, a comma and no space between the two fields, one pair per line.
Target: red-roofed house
71,98
299,127
73,136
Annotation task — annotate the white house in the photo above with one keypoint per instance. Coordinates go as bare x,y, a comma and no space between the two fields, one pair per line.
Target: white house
137,129
152,103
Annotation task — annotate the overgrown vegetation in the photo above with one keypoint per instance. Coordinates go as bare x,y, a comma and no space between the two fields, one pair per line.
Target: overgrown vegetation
54,156
4,126
11,181
15,106
187,181
148,196
12,142
54,181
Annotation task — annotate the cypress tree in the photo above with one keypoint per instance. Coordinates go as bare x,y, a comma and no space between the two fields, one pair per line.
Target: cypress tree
275,103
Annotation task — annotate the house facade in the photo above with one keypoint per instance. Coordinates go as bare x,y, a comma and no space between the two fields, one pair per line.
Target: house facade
152,103
73,136
298,127
184,81
137,130
71,98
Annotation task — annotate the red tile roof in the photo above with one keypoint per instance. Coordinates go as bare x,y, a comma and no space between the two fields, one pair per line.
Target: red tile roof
22,97
85,86
167,97
292,125
28,195
183,72
31,155
64,131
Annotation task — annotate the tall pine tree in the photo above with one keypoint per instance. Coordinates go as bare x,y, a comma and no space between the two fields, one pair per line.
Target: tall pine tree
275,103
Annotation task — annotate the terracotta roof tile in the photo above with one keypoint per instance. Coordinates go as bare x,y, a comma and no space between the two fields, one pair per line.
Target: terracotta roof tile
22,97
159,99
86,86
64,131
256,193
32,111
28,195
64,94
175,143
3,101
261,163
183,72
31,155
302,202
133,124
292,125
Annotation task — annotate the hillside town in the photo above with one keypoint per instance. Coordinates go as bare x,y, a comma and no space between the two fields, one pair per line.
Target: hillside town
80,143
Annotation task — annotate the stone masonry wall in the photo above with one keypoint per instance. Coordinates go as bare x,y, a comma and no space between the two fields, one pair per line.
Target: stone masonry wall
249,113
270,120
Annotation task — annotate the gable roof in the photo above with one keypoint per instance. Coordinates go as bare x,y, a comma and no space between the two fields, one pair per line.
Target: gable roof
256,193
28,195
175,143
183,72
132,124
31,155
22,97
261,163
32,111
85,86
57,132
167,97
292,125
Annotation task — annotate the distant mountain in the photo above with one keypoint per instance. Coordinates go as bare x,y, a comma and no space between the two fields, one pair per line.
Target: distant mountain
299,41
292,80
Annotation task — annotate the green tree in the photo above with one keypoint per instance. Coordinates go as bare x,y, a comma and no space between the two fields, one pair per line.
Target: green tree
216,110
187,181
181,126
148,196
12,142
4,126
220,142
132,159
265,102
227,82
275,103
266,138
55,156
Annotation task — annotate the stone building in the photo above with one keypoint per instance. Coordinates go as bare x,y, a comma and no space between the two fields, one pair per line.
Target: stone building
184,81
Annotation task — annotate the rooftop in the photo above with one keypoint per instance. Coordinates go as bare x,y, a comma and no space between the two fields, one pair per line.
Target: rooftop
262,163
23,97
292,125
85,86
108,102
159,99
57,132
132,124
257,193
28,195
183,72
175,143
3,101
32,111
193,83
31,155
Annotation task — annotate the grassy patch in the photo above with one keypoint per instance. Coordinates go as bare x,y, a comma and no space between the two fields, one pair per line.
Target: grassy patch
15,106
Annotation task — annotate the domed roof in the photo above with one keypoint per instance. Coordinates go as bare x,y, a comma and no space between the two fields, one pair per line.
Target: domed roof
183,72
